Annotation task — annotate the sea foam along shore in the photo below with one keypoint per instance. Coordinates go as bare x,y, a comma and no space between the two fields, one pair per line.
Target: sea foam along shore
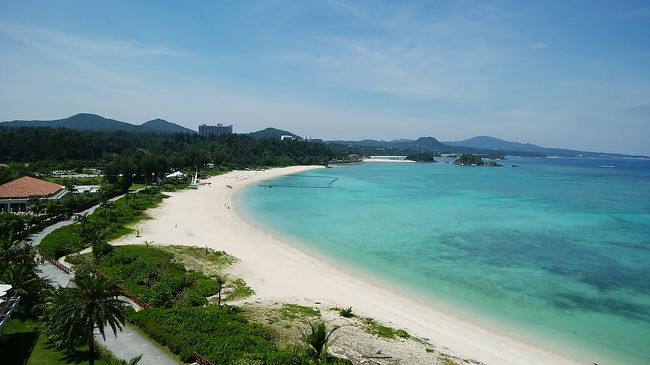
279,270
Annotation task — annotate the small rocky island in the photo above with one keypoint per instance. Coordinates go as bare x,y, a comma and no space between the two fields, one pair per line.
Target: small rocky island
467,159
422,157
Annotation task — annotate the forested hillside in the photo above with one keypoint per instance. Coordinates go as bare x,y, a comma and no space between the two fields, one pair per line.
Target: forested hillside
145,155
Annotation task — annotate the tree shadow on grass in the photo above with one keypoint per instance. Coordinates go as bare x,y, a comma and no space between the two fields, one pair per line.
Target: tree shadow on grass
16,348
77,356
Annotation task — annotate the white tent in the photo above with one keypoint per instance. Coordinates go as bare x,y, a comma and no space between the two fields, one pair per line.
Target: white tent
4,288
175,174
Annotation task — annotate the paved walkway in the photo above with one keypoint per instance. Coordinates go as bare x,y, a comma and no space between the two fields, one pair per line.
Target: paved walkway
35,238
128,343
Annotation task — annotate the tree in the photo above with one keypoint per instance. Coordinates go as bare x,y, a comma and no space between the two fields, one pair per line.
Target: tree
220,282
14,252
19,269
99,245
73,313
318,340
82,219
107,209
128,197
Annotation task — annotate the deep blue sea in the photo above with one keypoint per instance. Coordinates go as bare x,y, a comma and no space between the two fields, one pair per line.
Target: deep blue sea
554,250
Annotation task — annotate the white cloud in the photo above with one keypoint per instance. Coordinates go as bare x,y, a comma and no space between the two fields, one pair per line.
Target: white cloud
40,37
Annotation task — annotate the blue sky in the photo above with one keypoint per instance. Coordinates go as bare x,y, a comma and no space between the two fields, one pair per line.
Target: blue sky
572,74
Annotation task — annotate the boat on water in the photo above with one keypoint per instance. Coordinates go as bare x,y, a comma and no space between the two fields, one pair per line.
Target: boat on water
195,184
515,165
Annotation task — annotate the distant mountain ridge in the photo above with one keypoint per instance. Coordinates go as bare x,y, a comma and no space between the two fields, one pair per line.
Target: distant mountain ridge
496,144
477,145
491,143
422,144
94,122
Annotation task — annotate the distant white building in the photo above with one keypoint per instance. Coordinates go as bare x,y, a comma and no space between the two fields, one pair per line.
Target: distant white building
287,137
214,130
388,158
87,189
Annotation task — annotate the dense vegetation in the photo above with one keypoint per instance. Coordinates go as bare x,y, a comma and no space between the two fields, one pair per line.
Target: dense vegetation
109,221
143,153
151,274
42,213
221,334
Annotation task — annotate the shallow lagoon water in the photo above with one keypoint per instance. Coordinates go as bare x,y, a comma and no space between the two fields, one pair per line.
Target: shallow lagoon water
555,250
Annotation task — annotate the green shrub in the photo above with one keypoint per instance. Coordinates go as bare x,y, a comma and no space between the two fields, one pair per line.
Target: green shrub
221,334
151,274
346,312
186,356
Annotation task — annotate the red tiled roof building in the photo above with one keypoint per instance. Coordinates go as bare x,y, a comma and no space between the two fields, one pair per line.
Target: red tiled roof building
14,194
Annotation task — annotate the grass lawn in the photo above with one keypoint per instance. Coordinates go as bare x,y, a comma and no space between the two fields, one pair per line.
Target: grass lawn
23,344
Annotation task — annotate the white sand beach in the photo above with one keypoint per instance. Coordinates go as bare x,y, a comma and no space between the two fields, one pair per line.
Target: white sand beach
278,270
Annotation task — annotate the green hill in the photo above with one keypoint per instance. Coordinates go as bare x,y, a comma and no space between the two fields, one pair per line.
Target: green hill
272,133
94,122
162,125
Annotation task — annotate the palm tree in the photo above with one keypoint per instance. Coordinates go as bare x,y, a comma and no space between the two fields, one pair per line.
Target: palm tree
97,243
16,253
19,269
107,209
23,280
318,339
82,219
73,313
220,281
127,197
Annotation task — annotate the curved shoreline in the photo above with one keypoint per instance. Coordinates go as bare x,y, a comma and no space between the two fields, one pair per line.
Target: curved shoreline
280,271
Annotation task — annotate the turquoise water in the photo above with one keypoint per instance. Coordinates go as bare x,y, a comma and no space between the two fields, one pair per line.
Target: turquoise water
555,250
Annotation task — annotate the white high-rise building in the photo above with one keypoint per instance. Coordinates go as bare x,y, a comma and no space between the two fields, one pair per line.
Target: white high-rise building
214,130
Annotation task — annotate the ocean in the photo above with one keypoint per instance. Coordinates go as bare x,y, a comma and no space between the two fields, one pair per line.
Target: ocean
555,250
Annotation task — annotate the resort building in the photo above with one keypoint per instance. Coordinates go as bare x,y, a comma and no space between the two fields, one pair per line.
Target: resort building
214,130
15,194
